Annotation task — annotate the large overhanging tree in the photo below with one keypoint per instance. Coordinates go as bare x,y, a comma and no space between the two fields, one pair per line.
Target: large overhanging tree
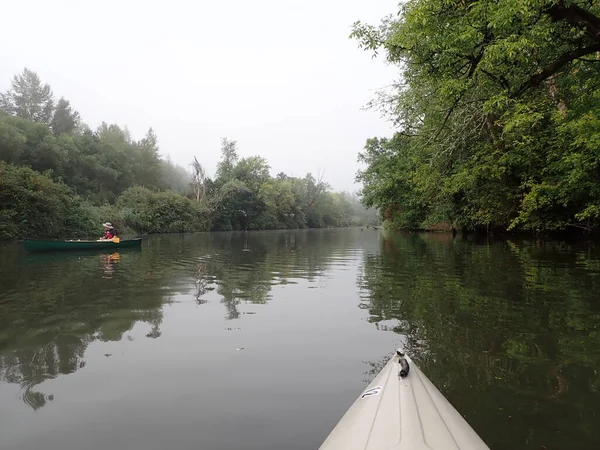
499,103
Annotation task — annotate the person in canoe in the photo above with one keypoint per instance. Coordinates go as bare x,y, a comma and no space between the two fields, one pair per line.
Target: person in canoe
110,232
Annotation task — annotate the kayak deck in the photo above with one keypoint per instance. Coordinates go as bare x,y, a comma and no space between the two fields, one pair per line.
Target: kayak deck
403,413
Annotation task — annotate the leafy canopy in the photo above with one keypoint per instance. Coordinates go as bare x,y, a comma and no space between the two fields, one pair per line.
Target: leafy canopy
497,108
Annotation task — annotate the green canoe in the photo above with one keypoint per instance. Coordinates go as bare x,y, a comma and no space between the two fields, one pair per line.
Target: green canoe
40,245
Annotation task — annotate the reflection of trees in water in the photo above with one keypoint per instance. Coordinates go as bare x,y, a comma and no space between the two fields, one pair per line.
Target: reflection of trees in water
246,266
53,306
31,366
374,368
66,303
202,282
34,399
497,327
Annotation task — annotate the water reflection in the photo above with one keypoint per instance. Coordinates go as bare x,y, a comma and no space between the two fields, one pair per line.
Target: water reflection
52,306
109,263
202,283
508,331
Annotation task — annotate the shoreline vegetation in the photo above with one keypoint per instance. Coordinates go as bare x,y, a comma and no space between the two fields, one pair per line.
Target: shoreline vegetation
60,178
497,111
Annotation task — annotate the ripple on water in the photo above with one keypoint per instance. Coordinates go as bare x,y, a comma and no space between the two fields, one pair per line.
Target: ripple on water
507,330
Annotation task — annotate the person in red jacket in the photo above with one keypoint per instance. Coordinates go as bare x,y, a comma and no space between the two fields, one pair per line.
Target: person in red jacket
109,231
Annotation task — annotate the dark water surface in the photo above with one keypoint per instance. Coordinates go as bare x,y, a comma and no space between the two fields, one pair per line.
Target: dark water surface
262,341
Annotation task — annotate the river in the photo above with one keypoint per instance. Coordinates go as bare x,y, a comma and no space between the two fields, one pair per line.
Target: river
262,340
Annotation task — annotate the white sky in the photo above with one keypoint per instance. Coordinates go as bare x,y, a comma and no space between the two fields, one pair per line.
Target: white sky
279,76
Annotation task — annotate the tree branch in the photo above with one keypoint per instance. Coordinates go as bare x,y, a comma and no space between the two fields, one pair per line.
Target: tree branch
579,226
565,59
498,79
578,17
475,60
448,114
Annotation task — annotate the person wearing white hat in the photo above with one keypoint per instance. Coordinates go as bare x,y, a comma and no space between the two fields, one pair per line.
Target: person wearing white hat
109,231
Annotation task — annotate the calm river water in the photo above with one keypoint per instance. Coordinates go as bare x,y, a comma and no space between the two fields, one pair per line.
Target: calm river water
262,340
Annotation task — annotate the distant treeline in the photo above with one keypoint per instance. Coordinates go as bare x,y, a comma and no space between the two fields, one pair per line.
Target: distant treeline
59,177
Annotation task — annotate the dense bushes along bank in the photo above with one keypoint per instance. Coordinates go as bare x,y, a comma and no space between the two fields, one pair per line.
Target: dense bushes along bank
58,177
34,205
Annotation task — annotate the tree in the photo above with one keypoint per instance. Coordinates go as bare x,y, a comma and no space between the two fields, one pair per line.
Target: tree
174,177
489,48
149,167
313,189
29,98
198,180
388,181
253,171
65,119
113,177
229,158
493,129
35,205
12,140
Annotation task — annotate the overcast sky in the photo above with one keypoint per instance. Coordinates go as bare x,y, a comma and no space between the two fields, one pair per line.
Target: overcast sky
279,76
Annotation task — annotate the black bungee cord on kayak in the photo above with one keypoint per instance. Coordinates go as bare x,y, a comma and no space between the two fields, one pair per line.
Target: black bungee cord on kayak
404,367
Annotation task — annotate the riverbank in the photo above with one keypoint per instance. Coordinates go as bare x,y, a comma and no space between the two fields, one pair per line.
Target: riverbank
489,137
36,205
568,233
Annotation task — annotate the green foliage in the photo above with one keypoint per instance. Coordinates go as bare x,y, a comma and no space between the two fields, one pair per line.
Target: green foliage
128,183
229,158
65,119
34,205
495,131
98,165
28,98
160,212
388,181
149,170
